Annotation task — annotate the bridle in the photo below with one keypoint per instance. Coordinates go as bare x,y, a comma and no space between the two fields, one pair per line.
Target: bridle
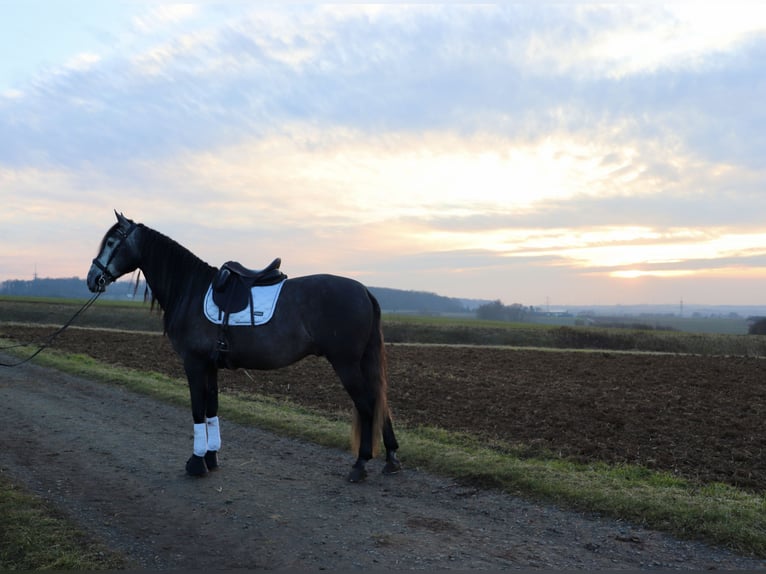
106,275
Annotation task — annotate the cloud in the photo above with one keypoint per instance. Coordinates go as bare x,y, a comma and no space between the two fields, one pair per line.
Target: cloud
449,139
163,16
508,71
587,201
589,41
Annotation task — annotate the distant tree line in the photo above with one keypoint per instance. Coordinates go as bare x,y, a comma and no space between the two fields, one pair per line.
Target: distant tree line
394,300
757,326
68,288
496,311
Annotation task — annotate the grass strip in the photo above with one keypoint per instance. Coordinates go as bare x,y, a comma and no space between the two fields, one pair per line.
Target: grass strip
33,536
718,513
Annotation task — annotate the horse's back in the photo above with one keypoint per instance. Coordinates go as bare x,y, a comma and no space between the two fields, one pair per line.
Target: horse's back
336,291
325,315
338,312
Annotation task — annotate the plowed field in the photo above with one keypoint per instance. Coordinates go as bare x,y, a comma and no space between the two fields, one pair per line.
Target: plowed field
699,417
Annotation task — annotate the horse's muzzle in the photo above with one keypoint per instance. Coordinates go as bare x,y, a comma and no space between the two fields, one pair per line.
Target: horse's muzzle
97,281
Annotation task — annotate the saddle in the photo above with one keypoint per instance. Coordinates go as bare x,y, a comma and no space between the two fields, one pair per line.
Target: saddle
233,283
232,292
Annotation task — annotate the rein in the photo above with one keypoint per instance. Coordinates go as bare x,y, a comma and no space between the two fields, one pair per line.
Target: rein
50,339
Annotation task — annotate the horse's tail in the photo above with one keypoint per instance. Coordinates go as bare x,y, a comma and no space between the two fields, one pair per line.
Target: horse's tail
374,371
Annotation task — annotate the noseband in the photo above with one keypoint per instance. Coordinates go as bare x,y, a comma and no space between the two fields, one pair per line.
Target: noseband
106,275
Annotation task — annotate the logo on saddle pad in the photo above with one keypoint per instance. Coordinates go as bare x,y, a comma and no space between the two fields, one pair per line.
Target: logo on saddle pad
243,297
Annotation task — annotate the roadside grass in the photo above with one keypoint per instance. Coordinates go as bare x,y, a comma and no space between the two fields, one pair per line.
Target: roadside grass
716,513
33,536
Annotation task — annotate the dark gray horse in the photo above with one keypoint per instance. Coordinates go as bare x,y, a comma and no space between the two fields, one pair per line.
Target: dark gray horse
324,315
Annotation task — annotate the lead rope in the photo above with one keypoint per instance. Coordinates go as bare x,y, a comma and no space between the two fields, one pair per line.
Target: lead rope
50,339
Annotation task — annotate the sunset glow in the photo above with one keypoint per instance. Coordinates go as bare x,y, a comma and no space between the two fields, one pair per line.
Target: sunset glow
472,151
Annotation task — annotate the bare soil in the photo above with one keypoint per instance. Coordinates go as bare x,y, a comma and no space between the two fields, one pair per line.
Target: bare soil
113,460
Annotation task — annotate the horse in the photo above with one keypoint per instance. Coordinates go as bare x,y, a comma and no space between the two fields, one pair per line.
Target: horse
324,315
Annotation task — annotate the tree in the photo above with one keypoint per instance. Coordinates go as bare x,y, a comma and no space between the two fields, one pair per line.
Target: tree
496,311
758,327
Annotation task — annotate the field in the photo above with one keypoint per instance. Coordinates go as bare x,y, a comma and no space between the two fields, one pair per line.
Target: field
578,416
698,416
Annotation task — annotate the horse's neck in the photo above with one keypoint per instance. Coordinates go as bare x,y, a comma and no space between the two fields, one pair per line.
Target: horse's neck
171,271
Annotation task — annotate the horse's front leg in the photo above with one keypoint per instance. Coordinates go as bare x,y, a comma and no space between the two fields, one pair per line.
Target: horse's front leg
203,389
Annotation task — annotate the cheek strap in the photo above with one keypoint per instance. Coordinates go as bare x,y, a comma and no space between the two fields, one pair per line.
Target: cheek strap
105,267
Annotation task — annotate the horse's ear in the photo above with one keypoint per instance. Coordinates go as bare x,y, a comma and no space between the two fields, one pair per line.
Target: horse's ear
122,220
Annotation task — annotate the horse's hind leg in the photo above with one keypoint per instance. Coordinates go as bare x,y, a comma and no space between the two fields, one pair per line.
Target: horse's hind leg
389,440
364,402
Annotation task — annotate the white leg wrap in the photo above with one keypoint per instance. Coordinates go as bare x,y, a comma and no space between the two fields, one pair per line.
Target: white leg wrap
213,434
200,439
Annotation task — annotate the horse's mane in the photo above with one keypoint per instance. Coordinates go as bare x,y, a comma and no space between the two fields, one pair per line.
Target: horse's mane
177,274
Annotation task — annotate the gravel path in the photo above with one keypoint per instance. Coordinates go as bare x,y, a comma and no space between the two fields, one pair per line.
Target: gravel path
113,461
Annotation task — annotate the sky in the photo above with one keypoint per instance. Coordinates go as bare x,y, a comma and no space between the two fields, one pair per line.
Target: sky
567,153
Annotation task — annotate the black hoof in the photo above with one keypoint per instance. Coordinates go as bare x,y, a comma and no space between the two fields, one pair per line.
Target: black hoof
211,460
392,464
392,467
357,474
196,466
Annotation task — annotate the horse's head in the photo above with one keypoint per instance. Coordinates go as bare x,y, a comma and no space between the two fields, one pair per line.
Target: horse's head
116,256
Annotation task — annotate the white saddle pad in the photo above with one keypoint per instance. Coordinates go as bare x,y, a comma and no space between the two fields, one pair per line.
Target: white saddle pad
264,303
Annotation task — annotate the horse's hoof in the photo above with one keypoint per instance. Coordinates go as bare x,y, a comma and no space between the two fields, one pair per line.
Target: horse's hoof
392,463
357,474
211,460
196,466
392,467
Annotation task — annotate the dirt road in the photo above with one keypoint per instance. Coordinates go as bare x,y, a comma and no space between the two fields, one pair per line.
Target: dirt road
113,461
